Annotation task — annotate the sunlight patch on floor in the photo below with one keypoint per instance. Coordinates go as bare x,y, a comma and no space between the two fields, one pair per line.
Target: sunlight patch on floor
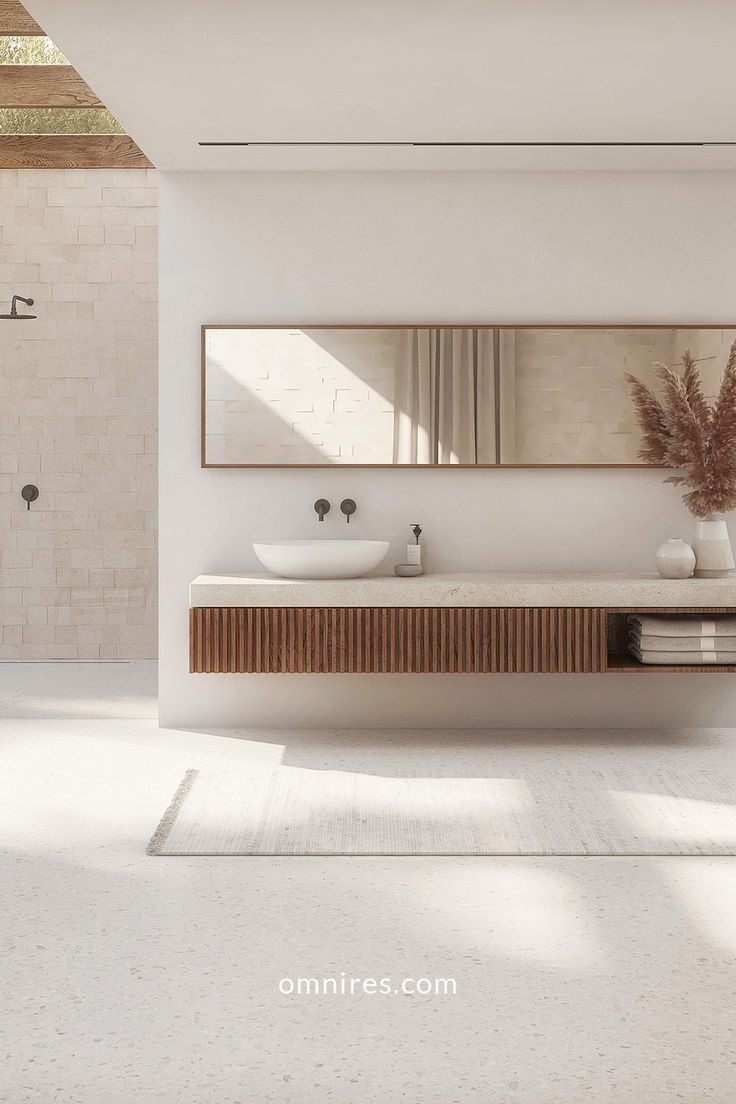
537,916
680,820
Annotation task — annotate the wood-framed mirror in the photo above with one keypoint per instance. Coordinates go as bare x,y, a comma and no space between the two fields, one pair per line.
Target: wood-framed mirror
436,396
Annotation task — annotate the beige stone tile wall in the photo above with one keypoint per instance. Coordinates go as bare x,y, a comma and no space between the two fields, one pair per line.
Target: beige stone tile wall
78,414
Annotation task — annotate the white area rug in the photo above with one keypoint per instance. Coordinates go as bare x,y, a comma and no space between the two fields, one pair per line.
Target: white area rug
547,811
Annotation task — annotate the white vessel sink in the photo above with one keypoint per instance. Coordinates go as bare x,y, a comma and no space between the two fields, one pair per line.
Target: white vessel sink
321,559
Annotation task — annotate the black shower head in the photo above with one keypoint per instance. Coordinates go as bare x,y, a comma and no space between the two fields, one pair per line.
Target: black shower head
14,309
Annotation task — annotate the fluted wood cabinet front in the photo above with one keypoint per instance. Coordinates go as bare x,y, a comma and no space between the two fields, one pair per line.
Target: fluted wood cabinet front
396,640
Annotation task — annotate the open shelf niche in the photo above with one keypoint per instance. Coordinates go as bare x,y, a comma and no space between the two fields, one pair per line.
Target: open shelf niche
620,659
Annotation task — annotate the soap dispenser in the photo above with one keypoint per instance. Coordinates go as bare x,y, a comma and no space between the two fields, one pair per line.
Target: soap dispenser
413,565
414,548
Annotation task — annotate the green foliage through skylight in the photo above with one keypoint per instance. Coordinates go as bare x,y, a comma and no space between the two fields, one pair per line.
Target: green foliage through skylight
29,50
58,120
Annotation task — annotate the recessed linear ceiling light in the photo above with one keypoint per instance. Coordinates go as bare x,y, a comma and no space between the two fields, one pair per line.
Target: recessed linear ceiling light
500,145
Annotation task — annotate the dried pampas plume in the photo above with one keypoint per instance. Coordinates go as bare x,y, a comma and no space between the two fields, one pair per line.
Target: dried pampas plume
683,431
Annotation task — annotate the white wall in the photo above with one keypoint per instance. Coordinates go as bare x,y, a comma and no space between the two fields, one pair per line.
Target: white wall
541,71
434,247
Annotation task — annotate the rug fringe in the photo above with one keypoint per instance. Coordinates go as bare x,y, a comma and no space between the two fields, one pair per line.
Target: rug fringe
159,837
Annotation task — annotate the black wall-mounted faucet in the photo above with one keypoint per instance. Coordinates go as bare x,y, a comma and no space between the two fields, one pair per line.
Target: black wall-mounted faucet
348,507
322,507
29,494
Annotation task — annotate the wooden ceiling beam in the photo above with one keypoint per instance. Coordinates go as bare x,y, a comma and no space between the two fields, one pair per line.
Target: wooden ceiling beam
70,151
15,20
44,86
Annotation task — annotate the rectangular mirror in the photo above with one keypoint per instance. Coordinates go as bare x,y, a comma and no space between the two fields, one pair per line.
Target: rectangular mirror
473,396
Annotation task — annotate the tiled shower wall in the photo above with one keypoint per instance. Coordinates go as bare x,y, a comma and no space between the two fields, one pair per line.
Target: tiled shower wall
78,414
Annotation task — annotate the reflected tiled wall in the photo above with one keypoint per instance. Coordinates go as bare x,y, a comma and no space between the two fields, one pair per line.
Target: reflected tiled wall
78,414
301,396
572,400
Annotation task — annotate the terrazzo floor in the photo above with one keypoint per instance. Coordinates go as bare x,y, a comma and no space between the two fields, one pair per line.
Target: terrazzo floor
132,980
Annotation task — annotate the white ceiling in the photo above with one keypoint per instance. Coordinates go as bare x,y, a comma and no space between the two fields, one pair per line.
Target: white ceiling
177,72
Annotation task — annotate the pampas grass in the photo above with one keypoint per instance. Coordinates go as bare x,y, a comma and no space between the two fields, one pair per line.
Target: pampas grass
683,431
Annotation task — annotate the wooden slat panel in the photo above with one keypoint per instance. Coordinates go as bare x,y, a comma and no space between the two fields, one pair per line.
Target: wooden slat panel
70,151
492,647
224,630
274,629
207,640
231,627
395,640
577,640
44,86
216,639
281,657
357,616
344,642
239,629
219,657
253,650
515,639
410,641
15,20
598,636
566,620
290,642
559,638
537,638
586,642
552,639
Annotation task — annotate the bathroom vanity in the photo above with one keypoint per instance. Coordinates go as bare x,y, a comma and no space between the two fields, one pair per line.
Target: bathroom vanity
474,623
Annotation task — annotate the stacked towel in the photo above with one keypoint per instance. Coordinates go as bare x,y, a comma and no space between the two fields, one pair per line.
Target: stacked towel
679,640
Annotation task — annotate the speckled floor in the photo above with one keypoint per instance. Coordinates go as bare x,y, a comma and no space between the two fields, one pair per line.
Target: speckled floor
129,980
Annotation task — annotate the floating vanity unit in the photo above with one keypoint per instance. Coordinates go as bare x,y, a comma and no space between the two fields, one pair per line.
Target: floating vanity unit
437,624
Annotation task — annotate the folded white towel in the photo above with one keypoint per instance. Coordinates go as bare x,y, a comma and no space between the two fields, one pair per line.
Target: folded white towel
682,643
678,658
688,625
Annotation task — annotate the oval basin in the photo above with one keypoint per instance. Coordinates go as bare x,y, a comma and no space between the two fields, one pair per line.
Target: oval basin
321,559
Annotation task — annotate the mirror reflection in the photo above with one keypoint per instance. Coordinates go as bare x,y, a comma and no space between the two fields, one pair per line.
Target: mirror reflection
435,395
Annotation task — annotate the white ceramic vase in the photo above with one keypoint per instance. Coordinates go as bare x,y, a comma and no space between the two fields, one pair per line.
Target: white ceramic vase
712,548
675,559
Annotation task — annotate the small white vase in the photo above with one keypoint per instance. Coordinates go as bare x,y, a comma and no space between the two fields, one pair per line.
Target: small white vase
712,548
675,559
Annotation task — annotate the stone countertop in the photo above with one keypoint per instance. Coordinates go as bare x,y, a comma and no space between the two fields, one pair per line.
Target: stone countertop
468,589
